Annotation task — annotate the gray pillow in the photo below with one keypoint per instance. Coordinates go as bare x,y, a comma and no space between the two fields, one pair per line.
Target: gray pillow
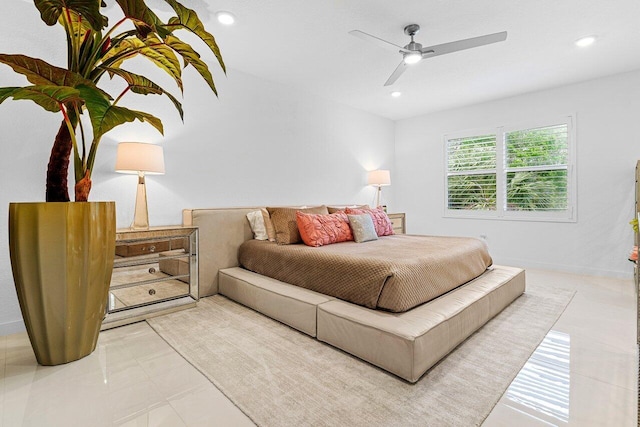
362,228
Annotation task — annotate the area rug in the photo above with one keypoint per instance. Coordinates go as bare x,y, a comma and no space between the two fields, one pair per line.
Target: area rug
280,377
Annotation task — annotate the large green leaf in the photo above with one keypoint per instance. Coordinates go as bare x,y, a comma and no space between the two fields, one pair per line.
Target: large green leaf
142,85
105,116
7,92
160,27
50,11
48,97
42,73
192,57
141,16
152,48
158,52
189,20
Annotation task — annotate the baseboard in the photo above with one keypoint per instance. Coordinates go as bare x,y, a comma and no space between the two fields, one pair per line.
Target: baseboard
12,327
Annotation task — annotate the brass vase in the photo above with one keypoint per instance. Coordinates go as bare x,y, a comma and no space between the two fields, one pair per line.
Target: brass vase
62,260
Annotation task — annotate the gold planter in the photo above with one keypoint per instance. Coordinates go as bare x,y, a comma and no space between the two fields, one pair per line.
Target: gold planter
62,259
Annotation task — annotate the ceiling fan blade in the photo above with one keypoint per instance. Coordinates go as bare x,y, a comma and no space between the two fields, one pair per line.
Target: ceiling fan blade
397,73
377,40
441,49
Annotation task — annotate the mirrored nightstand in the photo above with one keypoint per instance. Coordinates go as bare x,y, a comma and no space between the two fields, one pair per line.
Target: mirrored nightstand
155,272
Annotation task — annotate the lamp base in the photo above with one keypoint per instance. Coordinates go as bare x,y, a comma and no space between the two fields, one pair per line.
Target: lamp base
141,213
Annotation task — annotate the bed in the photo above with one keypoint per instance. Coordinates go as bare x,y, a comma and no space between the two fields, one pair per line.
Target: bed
406,343
394,273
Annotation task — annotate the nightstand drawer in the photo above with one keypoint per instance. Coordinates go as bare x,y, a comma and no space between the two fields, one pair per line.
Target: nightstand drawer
398,222
129,250
145,270
126,298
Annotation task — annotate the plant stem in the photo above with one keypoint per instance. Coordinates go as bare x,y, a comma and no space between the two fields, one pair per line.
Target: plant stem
57,184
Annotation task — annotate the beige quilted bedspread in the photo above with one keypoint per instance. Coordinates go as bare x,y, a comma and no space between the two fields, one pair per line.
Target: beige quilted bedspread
394,273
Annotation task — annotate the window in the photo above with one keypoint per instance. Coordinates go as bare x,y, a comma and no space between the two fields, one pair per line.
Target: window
523,172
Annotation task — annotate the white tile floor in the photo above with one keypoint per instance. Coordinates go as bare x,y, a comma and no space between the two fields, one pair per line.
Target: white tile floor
583,374
596,335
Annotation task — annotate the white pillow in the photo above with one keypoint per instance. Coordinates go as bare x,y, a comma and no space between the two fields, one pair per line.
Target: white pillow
256,220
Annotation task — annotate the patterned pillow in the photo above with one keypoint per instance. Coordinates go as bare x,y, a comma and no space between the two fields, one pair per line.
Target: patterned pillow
319,230
362,228
256,221
285,225
381,221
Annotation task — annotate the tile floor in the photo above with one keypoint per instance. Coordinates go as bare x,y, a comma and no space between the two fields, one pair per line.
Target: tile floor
589,376
583,374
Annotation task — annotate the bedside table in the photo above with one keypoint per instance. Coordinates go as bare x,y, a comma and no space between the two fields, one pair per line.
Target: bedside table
399,223
155,272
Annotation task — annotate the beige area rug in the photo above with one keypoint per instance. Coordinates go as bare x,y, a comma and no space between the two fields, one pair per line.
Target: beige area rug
280,377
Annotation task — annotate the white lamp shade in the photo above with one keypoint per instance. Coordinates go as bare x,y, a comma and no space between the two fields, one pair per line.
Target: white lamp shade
134,157
379,178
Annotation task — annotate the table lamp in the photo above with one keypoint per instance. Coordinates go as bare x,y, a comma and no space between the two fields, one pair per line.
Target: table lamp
379,178
140,158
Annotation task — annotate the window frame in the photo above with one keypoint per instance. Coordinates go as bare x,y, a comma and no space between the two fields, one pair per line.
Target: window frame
501,213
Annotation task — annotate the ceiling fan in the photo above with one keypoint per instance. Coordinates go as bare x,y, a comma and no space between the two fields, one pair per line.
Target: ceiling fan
413,52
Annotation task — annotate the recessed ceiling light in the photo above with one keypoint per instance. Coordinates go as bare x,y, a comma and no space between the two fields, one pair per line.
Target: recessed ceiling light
586,41
225,18
396,94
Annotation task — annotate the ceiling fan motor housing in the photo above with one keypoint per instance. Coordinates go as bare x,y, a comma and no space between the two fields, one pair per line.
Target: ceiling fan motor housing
413,46
412,30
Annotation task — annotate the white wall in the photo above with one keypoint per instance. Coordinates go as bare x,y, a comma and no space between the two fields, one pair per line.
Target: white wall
608,146
259,143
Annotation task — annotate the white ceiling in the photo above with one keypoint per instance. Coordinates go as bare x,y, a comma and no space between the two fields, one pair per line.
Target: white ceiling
305,45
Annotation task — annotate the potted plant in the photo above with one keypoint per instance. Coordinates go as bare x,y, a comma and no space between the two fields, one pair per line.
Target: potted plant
61,251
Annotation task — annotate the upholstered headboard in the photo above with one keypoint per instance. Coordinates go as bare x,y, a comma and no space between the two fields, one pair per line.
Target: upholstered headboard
220,234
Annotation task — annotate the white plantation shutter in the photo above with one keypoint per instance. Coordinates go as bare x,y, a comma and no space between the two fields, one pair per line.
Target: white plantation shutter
471,173
536,164
523,172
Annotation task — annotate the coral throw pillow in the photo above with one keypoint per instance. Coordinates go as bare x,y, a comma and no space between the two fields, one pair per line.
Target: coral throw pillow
285,223
381,221
319,230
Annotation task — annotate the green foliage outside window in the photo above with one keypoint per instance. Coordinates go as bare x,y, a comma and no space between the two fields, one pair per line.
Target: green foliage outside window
537,190
472,192
476,153
537,147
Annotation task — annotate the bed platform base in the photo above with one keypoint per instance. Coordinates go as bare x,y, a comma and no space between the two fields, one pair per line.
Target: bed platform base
405,344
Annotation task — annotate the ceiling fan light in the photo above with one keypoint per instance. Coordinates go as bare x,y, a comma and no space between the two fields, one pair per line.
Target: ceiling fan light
412,58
